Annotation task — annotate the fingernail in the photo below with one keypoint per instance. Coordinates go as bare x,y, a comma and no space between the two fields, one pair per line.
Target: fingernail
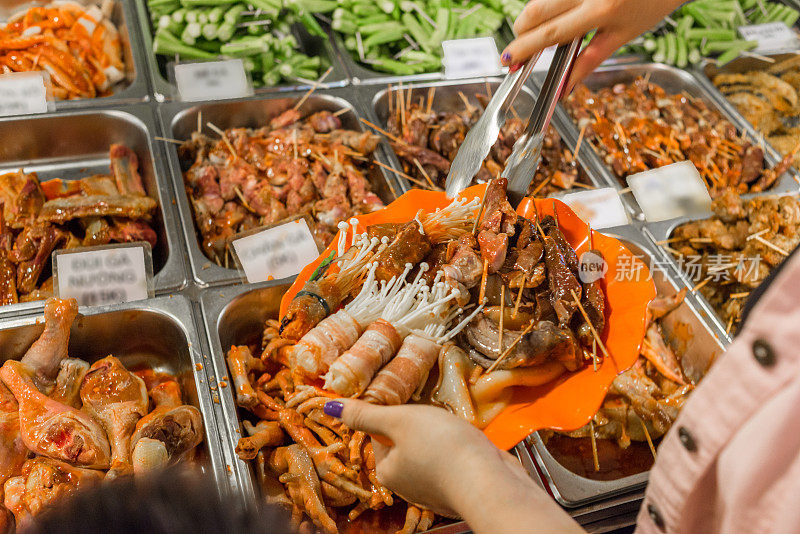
506,57
333,408
515,68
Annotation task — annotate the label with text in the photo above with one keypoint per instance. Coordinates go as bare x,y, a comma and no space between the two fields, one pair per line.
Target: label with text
276,252
468,58
212,80
23,93
111,274
675,190
599,208
770,36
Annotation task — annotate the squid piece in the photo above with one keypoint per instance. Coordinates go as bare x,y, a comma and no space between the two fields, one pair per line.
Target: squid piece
52,429
264,434
118,399
179,426
241,363
400,378
149,455
490,386
452,389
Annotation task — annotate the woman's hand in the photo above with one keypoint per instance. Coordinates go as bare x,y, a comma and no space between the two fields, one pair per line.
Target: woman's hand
432,458
545,23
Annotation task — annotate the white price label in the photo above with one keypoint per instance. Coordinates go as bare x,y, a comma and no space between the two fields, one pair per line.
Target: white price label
599,208
23,93
111,274
276,252
468,58
675,190
543,63
212,80
770,36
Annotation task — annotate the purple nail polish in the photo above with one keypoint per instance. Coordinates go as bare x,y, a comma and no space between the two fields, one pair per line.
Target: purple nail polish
333,408
506,57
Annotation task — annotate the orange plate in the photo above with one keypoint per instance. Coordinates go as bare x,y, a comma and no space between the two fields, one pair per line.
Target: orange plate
570,401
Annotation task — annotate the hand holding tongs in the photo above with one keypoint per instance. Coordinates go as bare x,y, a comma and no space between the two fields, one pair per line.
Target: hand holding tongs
524,159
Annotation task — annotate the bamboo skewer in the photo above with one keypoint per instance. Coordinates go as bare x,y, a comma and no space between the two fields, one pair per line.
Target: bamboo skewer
578,144
701,284
401,173
648,438
519,295
741,295
314,88
594,355
730,324
594,445
431,92
341,112
502,313
542,184
756,234
591,326
381,130
199,122
168,140
225,139
483,280
480,211
434,187
773,246
510,348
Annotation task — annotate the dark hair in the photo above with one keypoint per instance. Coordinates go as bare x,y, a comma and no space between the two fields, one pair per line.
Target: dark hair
175,501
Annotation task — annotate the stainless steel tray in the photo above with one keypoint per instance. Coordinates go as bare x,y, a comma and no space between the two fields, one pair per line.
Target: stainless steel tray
235,315
447,98
160,333
699,343
742,64
178,120
673,80
361,75
135,87
75,144
164,90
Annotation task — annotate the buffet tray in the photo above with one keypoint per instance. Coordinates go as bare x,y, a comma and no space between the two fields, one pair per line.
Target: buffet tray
161,333
446,98
135,87
164,89
75,144
235,315
700,345
709,70
179,120
673,80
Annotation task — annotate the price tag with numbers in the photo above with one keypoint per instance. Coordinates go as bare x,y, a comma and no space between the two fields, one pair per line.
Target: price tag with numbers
277,251
109,274
770,36
212,80
599,208
23,93
468,58
675,190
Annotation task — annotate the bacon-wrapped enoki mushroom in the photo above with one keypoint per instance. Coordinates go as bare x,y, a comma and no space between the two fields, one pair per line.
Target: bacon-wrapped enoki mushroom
323,293
406,374
409,309
319,348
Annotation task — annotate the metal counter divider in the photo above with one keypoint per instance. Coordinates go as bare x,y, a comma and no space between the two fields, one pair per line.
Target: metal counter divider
164,89
73,144
178,120
135,88
168,340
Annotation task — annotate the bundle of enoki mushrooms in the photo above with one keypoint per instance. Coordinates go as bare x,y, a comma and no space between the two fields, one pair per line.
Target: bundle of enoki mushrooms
374,322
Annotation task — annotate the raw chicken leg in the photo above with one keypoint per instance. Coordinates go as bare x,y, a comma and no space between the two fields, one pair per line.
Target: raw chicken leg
118,399
177,425
13,451
53,429
68,382
44,481
148,455
46,353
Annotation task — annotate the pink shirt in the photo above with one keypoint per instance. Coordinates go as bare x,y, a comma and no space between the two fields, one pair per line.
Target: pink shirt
731,462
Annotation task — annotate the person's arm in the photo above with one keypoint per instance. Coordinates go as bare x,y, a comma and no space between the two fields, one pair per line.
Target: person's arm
445,464
544,23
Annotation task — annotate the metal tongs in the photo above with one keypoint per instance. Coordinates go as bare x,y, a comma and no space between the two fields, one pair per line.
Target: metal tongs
524,159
